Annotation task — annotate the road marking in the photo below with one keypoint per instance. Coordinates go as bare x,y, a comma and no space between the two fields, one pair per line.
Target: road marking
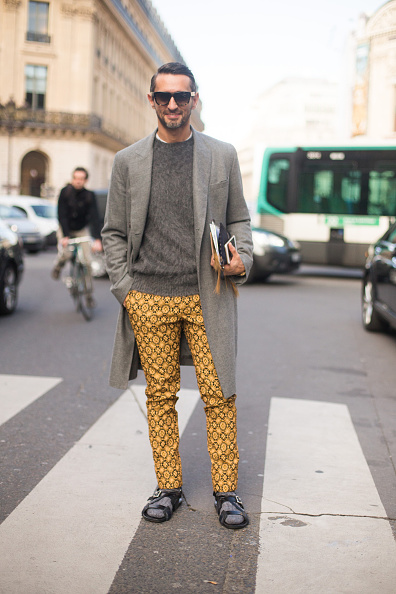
315,465
18,391
71,532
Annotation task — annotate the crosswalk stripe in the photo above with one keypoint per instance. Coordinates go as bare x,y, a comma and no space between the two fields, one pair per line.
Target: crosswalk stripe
322,526
71,532
18,391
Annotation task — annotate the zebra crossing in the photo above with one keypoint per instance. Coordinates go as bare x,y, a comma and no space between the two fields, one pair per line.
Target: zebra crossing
322,527
16,392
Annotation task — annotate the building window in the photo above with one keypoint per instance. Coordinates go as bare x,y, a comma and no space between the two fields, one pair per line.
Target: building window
36,86
38,22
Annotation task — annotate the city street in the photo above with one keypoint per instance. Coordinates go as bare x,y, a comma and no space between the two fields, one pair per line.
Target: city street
316,432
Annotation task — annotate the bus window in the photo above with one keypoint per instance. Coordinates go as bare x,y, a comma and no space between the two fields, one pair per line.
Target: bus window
350,193
335,190
315,189
278,181
382,189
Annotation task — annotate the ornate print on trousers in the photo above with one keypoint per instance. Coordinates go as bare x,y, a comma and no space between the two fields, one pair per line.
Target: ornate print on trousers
157,323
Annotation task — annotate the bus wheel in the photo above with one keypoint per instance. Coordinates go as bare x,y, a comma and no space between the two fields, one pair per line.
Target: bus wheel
370,317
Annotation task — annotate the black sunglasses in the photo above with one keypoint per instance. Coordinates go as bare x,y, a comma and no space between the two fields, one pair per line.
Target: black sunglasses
181,98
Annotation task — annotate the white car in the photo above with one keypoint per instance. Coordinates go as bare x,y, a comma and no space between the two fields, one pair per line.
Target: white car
28,233
43,213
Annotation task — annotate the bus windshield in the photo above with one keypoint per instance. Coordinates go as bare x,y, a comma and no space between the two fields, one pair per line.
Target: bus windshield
360,183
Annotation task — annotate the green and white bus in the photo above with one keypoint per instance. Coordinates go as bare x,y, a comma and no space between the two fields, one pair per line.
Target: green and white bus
334,201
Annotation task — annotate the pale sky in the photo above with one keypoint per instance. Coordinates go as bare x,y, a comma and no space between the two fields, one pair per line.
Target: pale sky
238,48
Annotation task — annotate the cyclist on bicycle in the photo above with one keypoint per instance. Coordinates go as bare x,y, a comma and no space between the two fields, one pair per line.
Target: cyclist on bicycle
78,216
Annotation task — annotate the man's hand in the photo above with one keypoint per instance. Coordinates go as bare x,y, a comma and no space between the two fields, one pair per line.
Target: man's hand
65,241
235,267
97,246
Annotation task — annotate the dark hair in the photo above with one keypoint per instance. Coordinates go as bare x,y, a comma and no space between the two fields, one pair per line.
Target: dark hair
81,169
174,68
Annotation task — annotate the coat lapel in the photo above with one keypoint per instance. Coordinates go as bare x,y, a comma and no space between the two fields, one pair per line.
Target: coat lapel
202,161
140,184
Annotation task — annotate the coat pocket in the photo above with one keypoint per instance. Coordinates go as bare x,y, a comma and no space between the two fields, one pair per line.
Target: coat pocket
218,200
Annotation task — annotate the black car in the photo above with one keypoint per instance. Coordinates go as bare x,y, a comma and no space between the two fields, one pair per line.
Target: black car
11,268
273,254
379,284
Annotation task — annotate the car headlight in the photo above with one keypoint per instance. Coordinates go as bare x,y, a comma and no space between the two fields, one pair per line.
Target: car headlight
294,244
14,228
267,239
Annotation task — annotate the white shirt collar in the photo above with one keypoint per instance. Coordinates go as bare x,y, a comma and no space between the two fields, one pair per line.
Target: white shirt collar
168,142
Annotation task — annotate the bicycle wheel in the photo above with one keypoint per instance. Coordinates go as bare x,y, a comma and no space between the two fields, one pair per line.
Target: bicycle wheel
71,283
84,291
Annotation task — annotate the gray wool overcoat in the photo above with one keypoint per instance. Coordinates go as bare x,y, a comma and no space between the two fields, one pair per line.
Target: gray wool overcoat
218,195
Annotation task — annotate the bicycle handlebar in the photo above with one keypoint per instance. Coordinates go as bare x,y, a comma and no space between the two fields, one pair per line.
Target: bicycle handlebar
80,240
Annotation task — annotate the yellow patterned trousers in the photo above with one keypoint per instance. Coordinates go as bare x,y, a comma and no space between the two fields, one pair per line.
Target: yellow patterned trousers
157,323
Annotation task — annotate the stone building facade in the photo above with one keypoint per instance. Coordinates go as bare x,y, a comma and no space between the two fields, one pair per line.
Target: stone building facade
74,77
373,67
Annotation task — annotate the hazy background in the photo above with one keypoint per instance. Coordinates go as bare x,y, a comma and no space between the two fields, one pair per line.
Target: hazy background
238,48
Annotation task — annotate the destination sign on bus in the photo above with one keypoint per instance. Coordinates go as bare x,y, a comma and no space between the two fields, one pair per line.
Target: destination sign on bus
341,221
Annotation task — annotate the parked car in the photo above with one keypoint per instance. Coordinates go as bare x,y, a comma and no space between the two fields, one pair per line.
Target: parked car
273,254
379,284
11,268
43,213
27,231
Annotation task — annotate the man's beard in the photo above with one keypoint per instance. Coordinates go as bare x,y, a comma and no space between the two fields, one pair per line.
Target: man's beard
174,124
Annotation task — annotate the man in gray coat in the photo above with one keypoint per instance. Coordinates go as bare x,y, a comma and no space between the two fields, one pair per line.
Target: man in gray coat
164,192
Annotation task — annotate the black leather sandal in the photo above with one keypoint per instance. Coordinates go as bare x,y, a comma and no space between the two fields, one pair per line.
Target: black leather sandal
154,502
238,510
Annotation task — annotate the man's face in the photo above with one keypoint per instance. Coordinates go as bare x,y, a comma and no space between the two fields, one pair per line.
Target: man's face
78,180
172,116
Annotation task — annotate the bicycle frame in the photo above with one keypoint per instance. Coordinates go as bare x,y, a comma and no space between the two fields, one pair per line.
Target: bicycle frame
79,282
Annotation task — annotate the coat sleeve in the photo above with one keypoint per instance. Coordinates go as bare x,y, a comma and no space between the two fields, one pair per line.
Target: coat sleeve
115,232
238,218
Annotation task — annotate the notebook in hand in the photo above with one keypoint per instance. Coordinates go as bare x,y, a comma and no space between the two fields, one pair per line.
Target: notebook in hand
219,239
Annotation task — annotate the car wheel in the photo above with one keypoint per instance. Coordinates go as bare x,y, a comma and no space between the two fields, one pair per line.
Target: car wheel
8,290
370,317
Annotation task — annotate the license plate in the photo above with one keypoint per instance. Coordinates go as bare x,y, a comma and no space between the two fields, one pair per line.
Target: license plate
30,239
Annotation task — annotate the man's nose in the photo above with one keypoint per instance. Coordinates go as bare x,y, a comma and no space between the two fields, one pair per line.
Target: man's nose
172,103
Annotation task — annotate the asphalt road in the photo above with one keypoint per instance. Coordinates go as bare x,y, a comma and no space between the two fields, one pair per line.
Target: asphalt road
300,338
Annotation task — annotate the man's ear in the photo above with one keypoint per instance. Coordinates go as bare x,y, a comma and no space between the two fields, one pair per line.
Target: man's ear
195,101
151,100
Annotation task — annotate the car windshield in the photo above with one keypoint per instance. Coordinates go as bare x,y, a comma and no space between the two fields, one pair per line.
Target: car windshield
47,211
10,212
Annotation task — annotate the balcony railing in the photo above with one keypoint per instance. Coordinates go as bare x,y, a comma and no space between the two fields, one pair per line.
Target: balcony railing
39,37
16,118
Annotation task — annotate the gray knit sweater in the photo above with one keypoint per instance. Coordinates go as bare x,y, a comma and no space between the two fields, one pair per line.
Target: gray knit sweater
167,263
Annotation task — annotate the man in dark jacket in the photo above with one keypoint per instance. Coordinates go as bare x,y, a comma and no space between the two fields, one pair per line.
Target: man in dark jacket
78,217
